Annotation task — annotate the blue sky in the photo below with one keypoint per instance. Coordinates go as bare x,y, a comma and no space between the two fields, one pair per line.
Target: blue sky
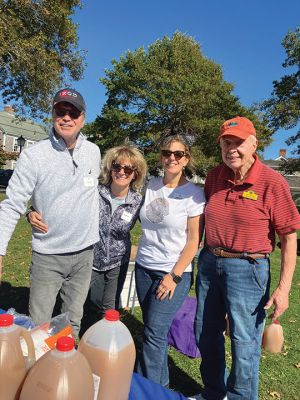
244,37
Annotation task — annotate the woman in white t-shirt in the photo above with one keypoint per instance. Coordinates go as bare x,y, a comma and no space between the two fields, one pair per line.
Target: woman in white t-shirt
170,218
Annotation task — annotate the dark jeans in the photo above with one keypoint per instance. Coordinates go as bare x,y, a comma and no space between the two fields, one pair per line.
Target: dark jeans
239,288
106,288
157,316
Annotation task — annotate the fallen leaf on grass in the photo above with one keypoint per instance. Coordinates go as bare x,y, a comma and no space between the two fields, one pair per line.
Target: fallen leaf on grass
297,365
275,395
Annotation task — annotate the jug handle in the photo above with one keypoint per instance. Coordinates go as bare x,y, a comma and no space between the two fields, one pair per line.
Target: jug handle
26,335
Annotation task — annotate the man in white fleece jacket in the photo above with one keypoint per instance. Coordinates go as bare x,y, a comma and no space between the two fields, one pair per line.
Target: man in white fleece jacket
60,176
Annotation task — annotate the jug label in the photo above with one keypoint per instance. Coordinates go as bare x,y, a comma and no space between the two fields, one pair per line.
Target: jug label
40,346
96,385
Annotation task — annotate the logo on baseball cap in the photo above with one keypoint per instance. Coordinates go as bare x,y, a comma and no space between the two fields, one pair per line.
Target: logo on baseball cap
70,96
240,127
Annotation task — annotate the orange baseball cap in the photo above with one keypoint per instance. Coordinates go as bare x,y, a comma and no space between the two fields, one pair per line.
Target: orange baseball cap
240,127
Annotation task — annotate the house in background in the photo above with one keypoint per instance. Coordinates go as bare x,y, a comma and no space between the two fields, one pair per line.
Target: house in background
11,129
277,162
293,180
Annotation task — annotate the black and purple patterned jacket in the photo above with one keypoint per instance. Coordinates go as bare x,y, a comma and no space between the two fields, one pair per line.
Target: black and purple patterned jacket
113,248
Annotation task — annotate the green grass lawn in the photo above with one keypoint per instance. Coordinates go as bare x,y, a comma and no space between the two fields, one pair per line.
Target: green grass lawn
279,374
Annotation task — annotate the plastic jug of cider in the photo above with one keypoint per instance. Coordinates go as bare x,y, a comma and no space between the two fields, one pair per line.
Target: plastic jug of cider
13,365
61,374
110,351
273,337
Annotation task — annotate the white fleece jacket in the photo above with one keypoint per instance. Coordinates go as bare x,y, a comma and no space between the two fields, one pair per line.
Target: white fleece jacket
63,188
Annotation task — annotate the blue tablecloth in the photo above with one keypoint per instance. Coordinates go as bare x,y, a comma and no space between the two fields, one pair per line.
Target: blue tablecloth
144,389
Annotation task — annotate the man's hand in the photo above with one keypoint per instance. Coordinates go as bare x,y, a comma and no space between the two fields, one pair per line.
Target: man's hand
36,221
280,299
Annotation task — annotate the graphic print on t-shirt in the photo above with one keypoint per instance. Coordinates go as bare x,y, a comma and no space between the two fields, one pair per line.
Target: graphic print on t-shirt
157,210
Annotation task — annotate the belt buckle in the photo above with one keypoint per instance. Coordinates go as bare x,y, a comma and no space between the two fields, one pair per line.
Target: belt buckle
217,251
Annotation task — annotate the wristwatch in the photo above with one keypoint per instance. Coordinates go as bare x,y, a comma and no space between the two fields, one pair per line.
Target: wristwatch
176,278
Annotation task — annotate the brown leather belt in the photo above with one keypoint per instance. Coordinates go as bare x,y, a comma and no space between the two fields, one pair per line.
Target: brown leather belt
220,252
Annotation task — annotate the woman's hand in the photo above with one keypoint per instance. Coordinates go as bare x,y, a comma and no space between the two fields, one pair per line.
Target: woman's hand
166,288
36,221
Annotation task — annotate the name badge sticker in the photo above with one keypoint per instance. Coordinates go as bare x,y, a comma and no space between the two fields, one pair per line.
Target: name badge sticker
178,196
250,195
88,181
126,216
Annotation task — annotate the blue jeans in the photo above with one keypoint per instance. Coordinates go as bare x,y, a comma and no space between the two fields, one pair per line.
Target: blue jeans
67,274
157,316
239,288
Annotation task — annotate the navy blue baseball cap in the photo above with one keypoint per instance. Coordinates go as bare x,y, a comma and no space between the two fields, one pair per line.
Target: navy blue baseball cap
70,96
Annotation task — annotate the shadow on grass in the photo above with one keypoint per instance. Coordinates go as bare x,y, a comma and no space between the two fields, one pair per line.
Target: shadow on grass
180,381
16,297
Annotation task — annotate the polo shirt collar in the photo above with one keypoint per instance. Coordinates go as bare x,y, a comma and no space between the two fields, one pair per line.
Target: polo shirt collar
226,173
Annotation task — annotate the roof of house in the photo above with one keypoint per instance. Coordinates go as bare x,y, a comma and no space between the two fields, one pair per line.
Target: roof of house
10,125
275,163
281,158
293,181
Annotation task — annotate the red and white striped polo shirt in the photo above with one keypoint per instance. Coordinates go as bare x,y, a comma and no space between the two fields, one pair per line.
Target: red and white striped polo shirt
244,217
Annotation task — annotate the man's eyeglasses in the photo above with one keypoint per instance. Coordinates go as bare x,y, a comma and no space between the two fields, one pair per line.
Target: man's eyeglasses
128,170
73,113
178,154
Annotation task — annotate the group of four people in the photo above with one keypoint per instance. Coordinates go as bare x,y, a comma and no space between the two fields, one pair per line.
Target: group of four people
81,240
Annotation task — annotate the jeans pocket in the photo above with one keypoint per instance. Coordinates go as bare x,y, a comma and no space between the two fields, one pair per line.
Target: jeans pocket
261,274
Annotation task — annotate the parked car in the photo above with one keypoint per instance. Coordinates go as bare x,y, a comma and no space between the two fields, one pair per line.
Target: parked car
5,175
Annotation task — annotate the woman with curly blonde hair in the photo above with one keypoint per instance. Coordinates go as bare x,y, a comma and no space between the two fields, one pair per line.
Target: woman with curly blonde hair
122,176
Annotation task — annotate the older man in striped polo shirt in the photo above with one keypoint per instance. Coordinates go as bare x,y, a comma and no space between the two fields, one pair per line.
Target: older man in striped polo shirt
247,204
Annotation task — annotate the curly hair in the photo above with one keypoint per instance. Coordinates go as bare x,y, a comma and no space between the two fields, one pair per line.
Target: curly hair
119,153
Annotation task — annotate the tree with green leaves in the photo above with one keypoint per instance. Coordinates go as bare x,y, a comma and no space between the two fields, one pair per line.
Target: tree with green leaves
171,83
283,108
38,51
